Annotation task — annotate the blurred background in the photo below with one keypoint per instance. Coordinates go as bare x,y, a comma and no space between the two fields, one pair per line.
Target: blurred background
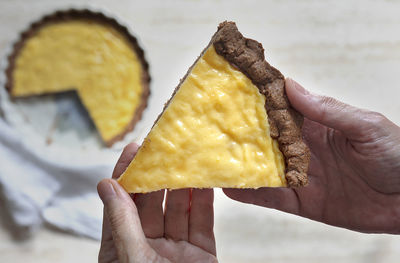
346,49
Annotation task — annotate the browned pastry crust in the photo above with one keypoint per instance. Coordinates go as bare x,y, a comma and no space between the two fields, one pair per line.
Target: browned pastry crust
247,55
84,14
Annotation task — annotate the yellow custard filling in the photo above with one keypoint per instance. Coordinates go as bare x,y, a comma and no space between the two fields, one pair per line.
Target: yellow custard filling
92,58
214,133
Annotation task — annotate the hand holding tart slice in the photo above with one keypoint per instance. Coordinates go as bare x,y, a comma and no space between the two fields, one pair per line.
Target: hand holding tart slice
228,124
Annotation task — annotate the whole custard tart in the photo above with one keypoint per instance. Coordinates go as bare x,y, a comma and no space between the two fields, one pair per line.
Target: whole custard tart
91,54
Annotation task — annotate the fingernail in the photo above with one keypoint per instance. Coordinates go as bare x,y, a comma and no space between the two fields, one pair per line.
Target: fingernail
297,86
106,190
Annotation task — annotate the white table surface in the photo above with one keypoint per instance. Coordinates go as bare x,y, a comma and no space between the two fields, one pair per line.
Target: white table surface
346,49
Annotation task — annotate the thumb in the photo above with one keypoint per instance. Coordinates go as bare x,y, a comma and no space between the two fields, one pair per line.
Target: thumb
123,218
326,110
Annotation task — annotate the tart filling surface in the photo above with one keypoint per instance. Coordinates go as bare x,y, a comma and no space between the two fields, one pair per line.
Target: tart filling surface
228,124
214,133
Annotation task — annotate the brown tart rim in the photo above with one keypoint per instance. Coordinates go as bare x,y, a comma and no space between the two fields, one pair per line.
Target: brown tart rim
247,55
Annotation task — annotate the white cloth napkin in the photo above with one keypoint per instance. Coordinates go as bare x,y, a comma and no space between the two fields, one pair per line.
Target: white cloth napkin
40,191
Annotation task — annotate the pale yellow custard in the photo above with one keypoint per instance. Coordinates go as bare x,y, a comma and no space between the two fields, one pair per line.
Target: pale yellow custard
90,57
214,133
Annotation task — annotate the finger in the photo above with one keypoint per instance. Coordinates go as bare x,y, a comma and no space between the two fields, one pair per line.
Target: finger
107,252
201,220
127,155
125,159
151,213
327,111
176,219
123,219
284,199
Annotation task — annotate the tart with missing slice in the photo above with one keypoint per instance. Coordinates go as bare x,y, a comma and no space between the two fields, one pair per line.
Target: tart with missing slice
228,124
91,54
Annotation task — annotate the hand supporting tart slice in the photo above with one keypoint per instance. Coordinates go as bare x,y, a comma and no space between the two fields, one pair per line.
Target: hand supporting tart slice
228,124
91,54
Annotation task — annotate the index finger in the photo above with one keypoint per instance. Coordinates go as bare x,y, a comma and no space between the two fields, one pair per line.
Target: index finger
201,220
125,159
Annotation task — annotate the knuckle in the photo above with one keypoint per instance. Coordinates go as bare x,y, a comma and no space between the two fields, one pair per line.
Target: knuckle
376,118
328,101
329,105
373,124
117,219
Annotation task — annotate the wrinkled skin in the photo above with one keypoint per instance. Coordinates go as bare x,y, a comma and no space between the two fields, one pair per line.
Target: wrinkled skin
354,174
354,182
136,229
